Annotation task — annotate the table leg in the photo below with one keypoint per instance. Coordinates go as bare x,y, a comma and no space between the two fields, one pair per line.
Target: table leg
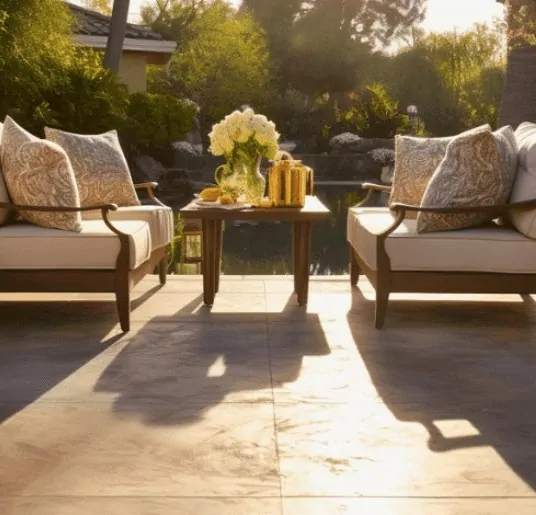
296,227
218,229
209,261
302,257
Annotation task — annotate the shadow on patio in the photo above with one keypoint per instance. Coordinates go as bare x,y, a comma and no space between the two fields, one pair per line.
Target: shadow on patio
43,342
464,370
189,357
196,357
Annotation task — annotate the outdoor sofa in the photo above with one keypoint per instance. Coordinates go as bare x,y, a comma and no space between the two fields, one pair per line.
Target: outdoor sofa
496,255
113,249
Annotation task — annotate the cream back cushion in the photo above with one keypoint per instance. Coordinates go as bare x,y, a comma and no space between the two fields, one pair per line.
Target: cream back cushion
525,184
100,167
4,195
38,172
470,175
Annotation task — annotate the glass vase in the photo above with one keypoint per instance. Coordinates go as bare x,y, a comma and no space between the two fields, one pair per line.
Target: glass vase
255,182
231,179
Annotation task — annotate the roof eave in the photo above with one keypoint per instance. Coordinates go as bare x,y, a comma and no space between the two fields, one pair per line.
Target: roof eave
129,44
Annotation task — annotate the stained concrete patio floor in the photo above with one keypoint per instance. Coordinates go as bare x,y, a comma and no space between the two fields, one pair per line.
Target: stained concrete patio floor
260,407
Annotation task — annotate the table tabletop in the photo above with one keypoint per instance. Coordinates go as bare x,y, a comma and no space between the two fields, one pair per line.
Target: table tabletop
312,211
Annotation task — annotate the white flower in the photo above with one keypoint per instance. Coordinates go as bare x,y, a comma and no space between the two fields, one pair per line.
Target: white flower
248,115
238,128
244,134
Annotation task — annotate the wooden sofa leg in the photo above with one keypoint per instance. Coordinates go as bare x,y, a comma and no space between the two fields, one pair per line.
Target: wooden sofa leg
354,267
162,270
122,298
382,300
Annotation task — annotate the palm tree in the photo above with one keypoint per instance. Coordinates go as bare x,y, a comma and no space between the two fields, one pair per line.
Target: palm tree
118,28
519,96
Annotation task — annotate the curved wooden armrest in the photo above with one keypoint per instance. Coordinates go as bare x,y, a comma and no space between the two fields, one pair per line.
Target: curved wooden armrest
104,209
58,209
370,188
499,208
376,187
150,187
146,186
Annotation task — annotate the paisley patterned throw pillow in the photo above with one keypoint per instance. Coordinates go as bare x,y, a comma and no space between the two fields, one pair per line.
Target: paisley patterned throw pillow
100,167
470,175
417,159
4,196
415,162
38,172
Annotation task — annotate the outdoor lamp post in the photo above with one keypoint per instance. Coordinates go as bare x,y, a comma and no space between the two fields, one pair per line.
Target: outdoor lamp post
413,114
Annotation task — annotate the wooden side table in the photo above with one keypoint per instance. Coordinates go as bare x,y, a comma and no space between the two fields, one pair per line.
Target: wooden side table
301,218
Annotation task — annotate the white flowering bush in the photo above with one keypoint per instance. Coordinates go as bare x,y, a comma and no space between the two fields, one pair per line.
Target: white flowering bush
244,134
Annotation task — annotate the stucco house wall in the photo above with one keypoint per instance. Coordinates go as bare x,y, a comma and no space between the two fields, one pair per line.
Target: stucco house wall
141,46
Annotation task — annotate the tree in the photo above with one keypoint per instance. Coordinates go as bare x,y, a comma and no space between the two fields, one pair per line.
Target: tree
172,18
35,35
101,6
221,63
320,45
118,28
519,97
277,18
460,78
48,80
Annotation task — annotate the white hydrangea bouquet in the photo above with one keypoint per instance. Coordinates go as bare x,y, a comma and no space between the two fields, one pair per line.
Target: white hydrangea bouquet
244,132
243,138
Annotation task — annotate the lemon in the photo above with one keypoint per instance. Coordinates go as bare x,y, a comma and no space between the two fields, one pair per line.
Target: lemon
210,194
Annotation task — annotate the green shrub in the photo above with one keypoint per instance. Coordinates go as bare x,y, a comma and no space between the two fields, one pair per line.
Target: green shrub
373,114
85,96
158,118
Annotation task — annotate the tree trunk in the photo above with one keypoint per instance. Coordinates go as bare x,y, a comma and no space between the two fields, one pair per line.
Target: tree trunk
519,96
118,28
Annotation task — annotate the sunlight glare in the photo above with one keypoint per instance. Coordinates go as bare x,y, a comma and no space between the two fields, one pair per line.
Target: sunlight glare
218,368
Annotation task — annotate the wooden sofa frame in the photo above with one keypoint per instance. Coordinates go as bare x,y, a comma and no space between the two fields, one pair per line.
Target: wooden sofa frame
386,281
120,280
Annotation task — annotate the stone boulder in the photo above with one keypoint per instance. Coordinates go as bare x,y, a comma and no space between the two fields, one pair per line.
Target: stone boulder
147,169
184,153
348,143
288,145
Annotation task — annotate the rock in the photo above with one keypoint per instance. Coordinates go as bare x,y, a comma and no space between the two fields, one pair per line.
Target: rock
184,152
194,138
348,143
147,169
288,146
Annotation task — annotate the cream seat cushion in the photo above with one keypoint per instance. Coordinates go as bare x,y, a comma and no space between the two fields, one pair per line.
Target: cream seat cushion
26,246
160,219
482,249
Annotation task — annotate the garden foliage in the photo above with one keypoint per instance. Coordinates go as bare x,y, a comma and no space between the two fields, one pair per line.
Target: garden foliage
46,79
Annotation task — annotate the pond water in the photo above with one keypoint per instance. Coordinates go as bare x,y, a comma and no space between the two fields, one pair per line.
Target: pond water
266,248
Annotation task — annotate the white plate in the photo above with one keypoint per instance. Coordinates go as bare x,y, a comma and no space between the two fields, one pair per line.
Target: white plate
217,205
